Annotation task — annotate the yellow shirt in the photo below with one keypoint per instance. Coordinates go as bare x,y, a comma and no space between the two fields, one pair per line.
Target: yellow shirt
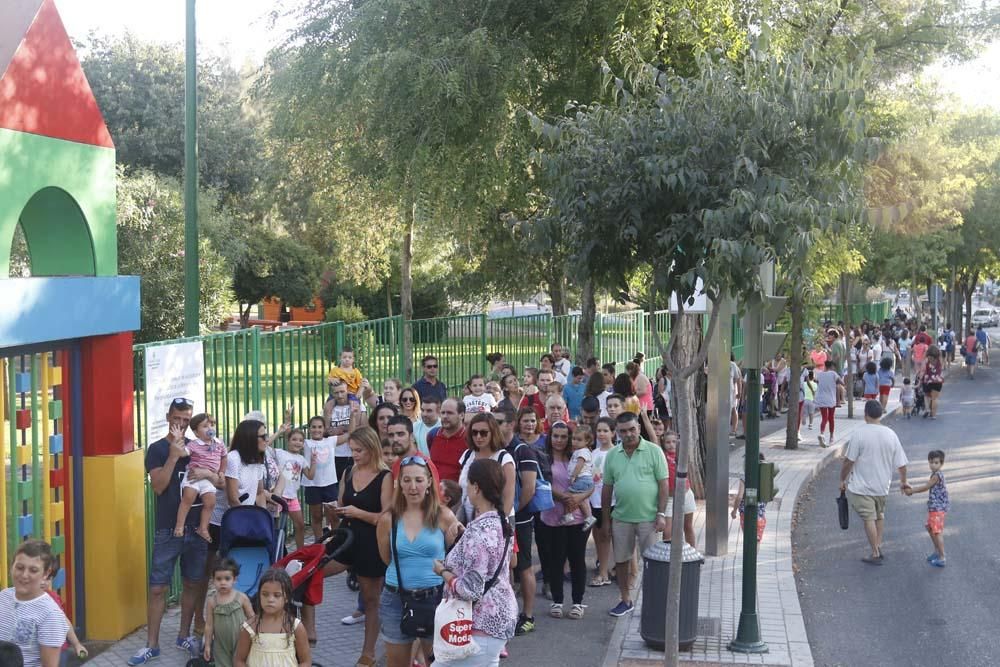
349,376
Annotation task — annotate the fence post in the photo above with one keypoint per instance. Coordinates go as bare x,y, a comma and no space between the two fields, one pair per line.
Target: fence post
255,366
400,361
482,340
599,337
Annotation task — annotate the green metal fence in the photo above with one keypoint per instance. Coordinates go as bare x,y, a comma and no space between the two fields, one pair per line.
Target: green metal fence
252,369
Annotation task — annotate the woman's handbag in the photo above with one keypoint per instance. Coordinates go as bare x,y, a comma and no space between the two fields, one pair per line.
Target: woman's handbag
418,609
842,512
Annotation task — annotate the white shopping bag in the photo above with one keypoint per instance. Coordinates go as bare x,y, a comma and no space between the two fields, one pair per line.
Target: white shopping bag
453,631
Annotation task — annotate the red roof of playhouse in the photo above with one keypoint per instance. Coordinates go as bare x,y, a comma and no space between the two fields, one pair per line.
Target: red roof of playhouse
43,89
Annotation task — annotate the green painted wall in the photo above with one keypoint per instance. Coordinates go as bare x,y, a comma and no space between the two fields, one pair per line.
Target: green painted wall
52,224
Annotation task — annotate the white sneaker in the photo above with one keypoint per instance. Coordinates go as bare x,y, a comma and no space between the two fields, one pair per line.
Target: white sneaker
822,443
352,619
589,522
810,427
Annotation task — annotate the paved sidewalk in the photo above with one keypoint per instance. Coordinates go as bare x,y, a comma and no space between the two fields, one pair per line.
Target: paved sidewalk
339,644
782,627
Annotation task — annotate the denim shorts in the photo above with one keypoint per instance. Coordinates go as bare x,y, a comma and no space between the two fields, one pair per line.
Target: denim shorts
191,549
390,610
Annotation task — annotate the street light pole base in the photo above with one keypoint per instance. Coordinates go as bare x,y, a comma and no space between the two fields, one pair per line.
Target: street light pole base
748,636
737,646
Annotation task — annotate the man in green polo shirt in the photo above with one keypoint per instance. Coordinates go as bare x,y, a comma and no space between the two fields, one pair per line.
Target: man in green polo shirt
636,473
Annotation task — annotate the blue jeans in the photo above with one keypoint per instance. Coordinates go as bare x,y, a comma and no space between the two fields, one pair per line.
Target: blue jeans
191,549
488,657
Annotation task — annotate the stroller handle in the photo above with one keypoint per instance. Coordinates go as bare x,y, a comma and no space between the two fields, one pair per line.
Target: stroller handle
280,502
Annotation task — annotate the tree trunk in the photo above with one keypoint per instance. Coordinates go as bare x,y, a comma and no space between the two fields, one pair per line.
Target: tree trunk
796,306
849,393
245,315
388,297
585,328
557,293
699,454
684,352
915,298
406,294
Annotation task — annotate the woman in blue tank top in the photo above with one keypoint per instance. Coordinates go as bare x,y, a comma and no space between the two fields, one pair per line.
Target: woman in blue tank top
423,528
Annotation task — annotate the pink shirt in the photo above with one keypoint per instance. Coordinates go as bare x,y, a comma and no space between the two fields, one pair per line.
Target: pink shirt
919,351
206,455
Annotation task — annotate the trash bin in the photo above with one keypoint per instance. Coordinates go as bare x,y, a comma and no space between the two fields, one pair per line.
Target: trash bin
655,578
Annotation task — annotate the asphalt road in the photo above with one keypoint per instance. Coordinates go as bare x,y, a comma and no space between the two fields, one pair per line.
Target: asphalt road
907,612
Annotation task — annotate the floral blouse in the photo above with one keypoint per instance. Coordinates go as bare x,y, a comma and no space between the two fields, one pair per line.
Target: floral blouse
474,560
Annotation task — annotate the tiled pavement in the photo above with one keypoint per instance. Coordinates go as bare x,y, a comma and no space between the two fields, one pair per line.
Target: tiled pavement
782,627
339,644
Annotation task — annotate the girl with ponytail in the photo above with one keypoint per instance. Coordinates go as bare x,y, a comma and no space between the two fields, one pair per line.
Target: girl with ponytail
478,568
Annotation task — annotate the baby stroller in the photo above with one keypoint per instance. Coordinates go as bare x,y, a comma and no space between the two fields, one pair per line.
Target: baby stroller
918,400
249,537
305,565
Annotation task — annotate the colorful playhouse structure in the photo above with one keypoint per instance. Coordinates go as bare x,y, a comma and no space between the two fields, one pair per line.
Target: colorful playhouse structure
72,475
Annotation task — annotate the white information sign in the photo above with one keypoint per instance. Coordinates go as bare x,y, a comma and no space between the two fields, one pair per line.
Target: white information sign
172,371
700,304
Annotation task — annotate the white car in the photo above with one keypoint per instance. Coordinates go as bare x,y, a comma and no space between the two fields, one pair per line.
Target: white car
983,316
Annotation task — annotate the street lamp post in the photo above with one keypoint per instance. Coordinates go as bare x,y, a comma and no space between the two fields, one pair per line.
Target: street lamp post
192,289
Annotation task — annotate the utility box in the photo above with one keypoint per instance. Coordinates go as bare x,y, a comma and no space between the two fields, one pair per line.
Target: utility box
767,490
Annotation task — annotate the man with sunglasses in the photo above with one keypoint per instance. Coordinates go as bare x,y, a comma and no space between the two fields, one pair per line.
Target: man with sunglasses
166,461
399,433
429,385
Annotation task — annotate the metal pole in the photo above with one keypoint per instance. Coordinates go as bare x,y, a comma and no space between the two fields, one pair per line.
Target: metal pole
748,635
192,288
717,424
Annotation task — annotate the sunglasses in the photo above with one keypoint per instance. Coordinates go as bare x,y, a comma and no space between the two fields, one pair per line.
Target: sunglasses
407,399
263,437
431,366
480,433
419,460
182,403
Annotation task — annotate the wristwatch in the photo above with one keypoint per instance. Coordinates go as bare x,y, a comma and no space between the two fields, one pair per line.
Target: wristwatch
663,514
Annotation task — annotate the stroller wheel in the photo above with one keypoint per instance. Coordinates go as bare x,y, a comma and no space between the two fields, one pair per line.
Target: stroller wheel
352,582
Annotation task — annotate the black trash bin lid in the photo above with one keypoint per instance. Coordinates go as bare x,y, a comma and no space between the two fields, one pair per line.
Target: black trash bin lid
660,552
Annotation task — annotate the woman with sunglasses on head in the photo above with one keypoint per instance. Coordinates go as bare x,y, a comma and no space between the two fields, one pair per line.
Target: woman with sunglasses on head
409,404
365,492
486,442
412,535
512,392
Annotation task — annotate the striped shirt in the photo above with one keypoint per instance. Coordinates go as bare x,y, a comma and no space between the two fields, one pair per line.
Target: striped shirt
32,623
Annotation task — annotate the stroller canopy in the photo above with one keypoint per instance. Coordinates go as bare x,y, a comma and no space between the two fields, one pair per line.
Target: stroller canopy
247,537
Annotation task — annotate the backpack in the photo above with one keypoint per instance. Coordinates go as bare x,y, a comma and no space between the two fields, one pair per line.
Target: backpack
542,500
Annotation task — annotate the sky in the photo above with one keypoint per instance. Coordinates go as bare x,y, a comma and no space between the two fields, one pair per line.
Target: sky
239,29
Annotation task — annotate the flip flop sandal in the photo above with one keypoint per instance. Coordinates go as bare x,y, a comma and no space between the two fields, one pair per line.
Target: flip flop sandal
871,561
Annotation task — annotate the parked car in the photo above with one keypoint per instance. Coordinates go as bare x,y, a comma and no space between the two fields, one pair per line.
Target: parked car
984,316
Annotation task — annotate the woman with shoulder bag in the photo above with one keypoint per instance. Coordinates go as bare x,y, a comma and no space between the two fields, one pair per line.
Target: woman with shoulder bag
478,568
412,536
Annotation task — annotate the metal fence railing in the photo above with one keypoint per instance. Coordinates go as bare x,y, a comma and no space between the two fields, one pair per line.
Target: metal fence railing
252,369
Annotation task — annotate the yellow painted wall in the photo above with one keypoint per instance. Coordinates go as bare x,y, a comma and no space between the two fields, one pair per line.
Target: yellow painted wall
114,544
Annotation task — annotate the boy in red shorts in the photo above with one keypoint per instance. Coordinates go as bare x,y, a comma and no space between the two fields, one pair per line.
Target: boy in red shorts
938,504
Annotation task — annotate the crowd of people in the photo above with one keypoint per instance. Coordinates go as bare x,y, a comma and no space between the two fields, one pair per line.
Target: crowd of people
483,495
867,360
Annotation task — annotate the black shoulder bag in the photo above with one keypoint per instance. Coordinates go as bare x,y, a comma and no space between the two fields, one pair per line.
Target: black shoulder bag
418,610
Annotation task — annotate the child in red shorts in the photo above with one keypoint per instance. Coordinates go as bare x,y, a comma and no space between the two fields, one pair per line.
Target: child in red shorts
938,504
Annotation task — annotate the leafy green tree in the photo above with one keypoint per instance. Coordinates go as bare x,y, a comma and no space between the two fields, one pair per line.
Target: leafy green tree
274,266
151,245
140,89
702,177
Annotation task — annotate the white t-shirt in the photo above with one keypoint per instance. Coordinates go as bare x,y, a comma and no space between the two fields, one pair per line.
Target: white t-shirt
598,465
876,452
340,416
291,466
734,381
326,451
32,623
503,457
826,389
587,457
602,400
249,475
476,404
563,367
